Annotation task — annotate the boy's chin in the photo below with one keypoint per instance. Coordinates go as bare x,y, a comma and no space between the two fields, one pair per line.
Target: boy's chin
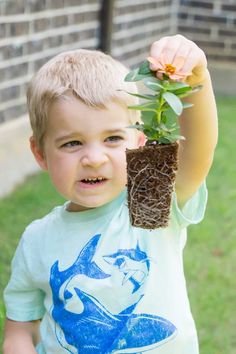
74,207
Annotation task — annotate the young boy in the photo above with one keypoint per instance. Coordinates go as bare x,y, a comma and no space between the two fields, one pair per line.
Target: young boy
97,284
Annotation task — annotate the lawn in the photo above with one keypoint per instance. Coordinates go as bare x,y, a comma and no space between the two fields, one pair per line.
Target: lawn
209,255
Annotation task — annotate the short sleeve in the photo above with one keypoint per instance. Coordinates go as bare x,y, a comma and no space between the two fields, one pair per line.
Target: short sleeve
23,300
194,209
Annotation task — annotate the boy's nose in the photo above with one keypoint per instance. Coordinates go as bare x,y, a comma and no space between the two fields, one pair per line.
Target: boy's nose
94,157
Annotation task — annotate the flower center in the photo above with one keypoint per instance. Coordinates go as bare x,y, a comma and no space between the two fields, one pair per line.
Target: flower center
170,68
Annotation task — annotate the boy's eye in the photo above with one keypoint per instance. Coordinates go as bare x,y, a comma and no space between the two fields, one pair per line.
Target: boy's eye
114,138
71,144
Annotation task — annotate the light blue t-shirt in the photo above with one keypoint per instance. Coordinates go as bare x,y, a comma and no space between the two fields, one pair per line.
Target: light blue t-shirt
101,285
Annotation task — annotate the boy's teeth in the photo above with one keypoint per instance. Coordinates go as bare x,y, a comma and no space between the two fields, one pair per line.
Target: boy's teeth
93,179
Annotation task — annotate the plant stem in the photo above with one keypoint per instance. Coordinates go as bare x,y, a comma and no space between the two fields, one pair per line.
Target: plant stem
159,111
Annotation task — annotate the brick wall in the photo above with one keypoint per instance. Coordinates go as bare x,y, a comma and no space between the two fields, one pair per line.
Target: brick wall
31,32
212,25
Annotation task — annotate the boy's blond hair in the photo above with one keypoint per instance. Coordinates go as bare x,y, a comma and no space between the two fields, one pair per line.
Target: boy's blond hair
92,76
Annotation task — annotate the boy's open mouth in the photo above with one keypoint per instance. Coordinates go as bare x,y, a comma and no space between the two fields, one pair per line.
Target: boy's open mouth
93,180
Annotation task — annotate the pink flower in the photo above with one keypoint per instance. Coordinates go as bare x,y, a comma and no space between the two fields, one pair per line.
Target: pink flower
172,70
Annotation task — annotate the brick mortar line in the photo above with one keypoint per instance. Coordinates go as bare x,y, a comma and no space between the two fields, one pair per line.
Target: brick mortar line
15,82
138,59
48,33
49,13
132,31
209,38
122,4
23,59
203,11
119,19
11,103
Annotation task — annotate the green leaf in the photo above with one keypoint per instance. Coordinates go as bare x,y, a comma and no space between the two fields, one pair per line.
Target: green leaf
146,97
182,90
174,102
136,126
150,106
196,88
187,105
153,84
151,134
164,140
182,93
172,86
144,68
148,116
140,108
131,76
178,137
171,138
164,128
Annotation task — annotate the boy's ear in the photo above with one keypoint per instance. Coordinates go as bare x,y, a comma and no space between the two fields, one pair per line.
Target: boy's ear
141,139
38,154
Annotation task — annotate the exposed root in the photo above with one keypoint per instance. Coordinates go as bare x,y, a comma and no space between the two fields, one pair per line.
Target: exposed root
151,177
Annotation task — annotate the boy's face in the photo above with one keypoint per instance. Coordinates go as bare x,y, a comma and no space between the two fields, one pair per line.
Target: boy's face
84,151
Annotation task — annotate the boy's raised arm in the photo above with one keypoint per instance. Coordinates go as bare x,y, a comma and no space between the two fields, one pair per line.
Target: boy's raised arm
198,124
20,337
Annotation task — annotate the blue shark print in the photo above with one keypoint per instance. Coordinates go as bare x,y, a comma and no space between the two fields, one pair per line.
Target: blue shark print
84,325
133,263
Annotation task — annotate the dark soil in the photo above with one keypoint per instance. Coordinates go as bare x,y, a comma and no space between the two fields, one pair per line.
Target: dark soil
151,177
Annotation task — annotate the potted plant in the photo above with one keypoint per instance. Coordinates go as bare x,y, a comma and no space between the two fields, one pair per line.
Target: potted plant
152,168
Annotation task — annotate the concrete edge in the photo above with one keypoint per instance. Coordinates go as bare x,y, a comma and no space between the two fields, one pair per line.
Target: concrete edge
16,159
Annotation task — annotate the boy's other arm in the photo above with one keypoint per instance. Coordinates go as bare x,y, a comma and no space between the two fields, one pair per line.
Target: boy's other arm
20,337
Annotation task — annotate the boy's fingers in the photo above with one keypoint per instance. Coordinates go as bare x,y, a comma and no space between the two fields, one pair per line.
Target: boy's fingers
190,62
157,47
178,50
196,58
183,52
170,48
166,47
158,50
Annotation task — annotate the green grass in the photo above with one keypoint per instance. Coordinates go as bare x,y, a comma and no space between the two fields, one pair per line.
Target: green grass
211,249
210,252
30,201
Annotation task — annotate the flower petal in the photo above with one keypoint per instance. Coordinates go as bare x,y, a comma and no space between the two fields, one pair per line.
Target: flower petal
155,63
176,77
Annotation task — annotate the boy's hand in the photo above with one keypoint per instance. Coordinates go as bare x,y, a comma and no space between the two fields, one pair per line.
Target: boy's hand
182,54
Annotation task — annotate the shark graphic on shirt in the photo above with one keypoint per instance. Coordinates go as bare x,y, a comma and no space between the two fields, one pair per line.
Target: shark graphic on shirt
83,324
133,263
